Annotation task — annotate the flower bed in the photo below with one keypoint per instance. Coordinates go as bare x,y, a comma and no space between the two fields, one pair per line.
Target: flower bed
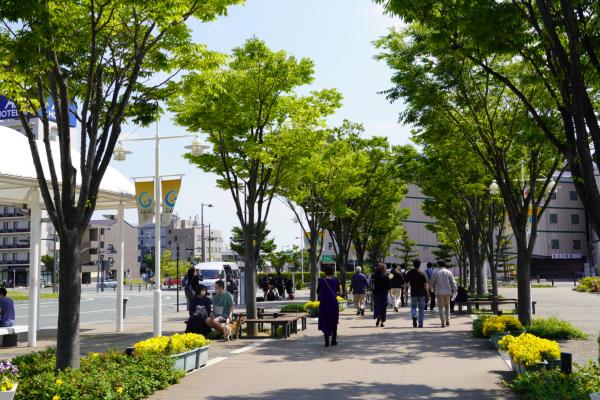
189,350
312,308
499,324
554,328
529,350
111,375
8,380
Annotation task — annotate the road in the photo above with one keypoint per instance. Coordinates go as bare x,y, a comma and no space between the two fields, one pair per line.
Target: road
101,307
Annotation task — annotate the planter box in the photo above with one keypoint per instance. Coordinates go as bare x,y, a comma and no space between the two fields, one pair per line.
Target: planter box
517,367
521,368
495,338
191,360
313,312
594,396
555,364
9,395
342,305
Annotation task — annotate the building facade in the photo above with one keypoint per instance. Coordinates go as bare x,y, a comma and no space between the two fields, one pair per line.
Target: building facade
99,251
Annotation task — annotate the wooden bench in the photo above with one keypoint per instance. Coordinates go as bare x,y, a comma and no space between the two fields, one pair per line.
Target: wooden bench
8,334
288,322
493,303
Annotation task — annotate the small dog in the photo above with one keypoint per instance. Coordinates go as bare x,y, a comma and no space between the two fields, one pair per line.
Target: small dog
233,330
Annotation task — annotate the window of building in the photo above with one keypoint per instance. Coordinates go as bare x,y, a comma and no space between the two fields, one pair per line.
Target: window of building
555,244
102,231
554,218
553,196
169,242
575,219
93,235
101,245
576,244
93,251
16,225
5,225
5,241
573,195
4,257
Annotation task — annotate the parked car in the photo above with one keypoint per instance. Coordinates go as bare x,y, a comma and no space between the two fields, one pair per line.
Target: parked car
108,283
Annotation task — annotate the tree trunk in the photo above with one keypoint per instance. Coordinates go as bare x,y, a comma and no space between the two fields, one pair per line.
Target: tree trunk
523,285
250,280
360,255
343,261
67,333
314,265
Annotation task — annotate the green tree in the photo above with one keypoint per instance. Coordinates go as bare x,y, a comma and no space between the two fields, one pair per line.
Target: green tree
48,261
448,96
267,245
444,252
550,56
325,180
100,55
258,126
168,265
406,248
279,259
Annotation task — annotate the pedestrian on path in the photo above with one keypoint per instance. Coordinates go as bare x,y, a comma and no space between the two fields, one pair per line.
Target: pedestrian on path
358,287
404,294
7,309
419,292
381,291
429,273
329,311
445,287
396,285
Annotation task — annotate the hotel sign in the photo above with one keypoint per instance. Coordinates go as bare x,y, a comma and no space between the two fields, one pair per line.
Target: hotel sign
9,110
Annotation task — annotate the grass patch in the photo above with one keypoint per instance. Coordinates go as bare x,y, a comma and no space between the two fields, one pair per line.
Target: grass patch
19,295
554,328
555,385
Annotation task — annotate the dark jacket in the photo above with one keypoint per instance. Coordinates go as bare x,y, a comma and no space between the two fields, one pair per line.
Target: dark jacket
381,282
397,280
359,284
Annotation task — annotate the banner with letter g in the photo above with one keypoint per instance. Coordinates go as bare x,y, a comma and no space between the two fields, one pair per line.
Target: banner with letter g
170,191
144,194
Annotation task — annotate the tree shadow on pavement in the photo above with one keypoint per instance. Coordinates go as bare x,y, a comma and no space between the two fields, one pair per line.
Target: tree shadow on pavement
362,390
386,346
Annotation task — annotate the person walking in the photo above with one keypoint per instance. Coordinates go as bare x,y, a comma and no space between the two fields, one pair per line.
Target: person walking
404,294
429,273
444,287
381,291
396,285
329,311
358,287
419,292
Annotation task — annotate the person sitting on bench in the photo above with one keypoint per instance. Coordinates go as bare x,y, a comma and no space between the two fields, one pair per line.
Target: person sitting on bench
7,309
222,308
200,308
461,295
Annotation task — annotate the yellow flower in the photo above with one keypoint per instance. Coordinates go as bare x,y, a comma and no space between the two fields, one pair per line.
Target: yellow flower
9,385
3,388
120,389
59,382
56,397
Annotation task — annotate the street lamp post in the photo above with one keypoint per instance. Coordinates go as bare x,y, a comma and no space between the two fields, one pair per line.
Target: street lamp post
202,205
120,154
178,279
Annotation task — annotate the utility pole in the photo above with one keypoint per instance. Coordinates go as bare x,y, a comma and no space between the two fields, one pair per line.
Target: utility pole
202,205
178,278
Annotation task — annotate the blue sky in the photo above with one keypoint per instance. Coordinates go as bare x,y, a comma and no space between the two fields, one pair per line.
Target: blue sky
337,35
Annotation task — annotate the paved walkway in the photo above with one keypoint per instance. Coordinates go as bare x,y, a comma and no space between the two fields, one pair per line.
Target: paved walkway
397,362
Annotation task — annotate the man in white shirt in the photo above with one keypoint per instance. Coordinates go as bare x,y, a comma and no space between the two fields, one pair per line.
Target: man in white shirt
445,287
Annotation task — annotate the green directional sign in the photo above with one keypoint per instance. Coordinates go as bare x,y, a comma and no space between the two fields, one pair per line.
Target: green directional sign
327,258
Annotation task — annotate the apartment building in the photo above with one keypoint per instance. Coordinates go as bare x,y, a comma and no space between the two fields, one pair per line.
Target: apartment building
99,250
187,234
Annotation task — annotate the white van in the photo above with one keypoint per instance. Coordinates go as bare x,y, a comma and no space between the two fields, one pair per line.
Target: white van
211,272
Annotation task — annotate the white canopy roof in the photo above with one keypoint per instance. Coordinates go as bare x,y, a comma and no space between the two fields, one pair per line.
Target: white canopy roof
18,176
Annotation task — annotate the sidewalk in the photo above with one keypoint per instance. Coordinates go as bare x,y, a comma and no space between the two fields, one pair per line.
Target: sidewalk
397,362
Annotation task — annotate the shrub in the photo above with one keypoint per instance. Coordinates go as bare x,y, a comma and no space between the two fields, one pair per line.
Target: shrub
529,349
111,375
553,384
168,345
554,328
587,284
294,307
501,323
478,325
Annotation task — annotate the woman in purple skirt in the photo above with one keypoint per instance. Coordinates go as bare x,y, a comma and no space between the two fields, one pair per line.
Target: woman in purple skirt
329,312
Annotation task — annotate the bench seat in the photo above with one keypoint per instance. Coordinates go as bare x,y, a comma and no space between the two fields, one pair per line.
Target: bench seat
8,334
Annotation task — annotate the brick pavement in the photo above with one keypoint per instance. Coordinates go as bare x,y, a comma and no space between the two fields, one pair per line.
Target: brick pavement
397,362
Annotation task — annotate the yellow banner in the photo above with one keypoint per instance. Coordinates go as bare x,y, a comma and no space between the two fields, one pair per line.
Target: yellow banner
170,191
144,193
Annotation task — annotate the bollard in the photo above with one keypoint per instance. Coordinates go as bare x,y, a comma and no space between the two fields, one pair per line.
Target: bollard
566,363
139,287
552,281
125,305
